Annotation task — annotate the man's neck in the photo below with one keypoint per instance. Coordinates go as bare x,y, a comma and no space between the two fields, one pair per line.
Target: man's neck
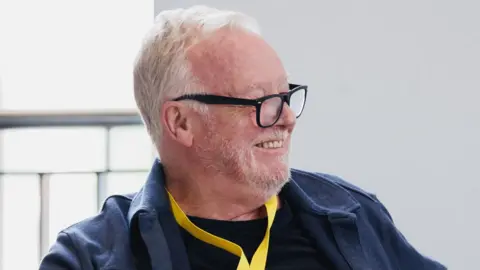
216,198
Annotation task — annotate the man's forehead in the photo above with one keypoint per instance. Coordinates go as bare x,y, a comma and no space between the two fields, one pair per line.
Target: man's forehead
237,62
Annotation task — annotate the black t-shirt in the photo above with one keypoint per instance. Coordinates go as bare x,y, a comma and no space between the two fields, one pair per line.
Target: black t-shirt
289,247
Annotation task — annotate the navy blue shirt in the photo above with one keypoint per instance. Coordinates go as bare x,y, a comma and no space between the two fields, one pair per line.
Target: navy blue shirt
138,231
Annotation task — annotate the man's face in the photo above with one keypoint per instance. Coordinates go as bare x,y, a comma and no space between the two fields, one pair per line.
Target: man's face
238,64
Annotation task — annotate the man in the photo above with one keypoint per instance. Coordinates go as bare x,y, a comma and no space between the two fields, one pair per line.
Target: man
216,102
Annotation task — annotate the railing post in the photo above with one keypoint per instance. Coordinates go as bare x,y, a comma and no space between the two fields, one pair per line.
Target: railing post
102,176
101,189
44,214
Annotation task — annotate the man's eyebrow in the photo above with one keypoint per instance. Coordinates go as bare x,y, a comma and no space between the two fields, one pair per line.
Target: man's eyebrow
284,85
255,91
256,86
279,84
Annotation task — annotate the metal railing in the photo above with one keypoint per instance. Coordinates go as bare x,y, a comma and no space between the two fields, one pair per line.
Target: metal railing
24,119
105,119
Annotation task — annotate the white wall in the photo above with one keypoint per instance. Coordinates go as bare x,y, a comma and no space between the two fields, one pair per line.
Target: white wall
393,106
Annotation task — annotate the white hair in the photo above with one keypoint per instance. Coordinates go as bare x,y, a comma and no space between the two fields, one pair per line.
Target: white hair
161,70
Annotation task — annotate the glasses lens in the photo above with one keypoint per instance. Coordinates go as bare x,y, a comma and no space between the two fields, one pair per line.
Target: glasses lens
270,111
297,102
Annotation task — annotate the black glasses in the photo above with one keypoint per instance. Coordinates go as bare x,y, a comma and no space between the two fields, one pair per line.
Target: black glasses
269,108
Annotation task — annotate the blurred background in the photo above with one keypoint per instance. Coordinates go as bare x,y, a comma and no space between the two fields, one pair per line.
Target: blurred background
393,107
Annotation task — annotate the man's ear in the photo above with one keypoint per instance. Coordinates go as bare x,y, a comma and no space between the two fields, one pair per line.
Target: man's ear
176,123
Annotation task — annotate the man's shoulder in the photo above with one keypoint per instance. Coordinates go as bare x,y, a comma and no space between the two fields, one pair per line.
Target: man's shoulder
112,219
316,180
101,241
372,217
334,193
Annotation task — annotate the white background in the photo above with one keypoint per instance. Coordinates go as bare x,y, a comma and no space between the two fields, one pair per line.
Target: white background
393,106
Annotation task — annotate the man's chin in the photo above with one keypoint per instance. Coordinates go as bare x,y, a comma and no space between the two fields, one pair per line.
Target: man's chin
270,179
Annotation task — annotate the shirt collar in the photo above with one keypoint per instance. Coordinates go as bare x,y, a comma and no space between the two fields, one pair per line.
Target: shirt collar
152,197
307,191
314,193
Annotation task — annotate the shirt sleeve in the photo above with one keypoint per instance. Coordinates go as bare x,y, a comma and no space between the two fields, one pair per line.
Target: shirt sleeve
62,255
405,255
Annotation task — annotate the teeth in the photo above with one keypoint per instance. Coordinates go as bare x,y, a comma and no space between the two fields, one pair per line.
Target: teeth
271,144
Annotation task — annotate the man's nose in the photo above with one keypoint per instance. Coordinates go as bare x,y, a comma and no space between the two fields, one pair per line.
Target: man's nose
288,117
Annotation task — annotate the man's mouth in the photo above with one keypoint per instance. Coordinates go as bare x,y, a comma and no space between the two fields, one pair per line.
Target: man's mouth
270,144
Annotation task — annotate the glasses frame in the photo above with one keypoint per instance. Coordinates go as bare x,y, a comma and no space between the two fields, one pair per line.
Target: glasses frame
257,103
